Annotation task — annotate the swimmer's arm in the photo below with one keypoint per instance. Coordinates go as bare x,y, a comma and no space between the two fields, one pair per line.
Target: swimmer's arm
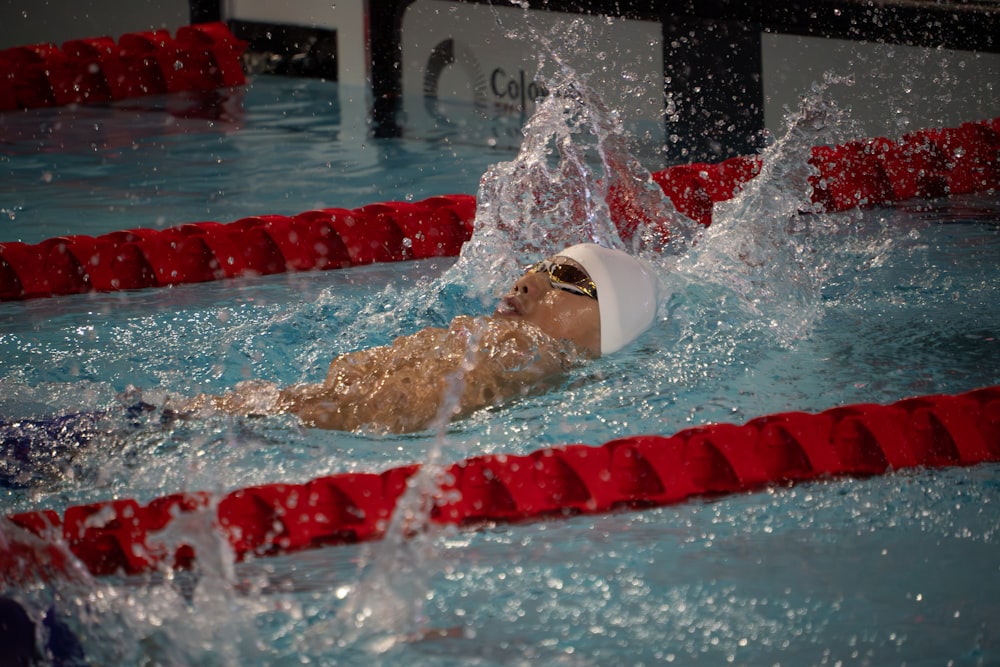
250,397
317,404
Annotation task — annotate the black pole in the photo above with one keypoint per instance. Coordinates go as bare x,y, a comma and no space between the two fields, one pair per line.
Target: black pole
385,21
206,11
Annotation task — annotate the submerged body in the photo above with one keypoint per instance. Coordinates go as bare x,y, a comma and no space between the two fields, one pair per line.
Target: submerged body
435,373
577,305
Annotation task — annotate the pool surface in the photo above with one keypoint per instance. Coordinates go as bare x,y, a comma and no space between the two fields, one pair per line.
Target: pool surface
766,311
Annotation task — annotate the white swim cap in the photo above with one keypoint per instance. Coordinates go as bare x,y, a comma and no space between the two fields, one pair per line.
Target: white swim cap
626,292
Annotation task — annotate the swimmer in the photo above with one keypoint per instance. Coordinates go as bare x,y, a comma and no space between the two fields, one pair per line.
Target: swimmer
582,303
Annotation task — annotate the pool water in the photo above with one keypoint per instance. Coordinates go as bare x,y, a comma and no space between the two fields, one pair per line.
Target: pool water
766,311
279,146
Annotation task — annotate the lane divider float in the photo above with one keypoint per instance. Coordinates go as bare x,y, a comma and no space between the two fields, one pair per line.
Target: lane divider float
203,56
120,536
257,245
873,172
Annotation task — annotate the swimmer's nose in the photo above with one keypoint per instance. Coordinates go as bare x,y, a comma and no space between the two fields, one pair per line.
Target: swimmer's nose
531,284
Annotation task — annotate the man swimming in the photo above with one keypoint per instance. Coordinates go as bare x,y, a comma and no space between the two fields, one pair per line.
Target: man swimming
579,304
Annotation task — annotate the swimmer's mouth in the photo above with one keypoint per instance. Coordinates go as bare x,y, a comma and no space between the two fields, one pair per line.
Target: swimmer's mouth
508,307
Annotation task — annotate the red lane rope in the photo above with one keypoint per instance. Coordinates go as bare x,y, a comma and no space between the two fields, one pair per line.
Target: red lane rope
87,71
259,245
873,172
640,471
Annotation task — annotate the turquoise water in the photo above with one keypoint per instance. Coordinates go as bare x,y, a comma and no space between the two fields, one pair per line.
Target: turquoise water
279,146
868,306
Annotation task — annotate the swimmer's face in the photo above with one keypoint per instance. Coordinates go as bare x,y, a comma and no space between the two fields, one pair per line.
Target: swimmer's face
558,309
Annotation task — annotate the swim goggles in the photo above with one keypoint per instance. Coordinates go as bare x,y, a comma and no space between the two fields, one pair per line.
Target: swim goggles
567,277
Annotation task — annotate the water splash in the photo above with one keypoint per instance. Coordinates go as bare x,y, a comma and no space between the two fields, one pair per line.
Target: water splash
555,193
385,608
765,247
573,166
759,258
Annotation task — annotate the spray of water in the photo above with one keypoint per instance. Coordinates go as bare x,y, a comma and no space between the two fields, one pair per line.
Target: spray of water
555,193
386,606
762,247
574,159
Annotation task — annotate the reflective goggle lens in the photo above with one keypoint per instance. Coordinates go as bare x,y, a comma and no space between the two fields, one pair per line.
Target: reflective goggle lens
567,277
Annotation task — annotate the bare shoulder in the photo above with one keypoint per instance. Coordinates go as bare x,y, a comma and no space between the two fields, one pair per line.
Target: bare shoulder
515,344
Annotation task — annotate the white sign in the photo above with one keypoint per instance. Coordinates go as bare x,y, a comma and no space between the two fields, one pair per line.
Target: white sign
472,70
